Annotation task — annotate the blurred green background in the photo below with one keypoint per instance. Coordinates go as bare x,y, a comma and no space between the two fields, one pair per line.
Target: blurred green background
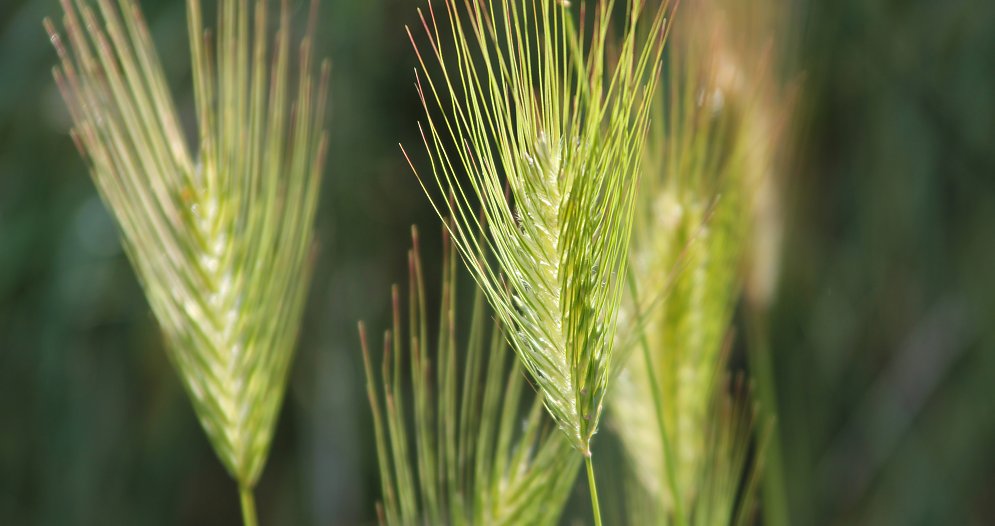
882,330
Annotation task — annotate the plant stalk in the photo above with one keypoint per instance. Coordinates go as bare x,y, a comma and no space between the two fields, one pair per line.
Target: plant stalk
669,459
594,491
248,506
775,501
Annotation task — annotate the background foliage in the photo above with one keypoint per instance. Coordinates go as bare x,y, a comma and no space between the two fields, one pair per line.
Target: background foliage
881,329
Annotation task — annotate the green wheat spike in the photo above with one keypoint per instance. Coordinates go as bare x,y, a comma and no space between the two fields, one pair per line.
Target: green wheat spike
220,238
539,125
529,121
476,458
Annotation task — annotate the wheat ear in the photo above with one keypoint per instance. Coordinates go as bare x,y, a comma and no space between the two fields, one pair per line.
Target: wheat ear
706,156
221,241
477,458
549,134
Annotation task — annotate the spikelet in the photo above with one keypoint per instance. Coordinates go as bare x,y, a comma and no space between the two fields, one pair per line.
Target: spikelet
477,458
221,241
518,99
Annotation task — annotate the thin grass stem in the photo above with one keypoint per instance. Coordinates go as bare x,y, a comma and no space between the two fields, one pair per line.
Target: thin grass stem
595,506
775,502
668,451
248,507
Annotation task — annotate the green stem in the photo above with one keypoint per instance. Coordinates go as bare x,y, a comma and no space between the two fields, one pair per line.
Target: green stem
248,507
775,501
668,452
669,460
594,491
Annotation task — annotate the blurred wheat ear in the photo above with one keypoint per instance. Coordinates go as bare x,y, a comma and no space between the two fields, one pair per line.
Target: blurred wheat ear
706,158
221,240
685,276
477,458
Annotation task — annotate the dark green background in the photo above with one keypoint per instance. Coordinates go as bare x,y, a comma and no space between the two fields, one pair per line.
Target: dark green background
883,329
